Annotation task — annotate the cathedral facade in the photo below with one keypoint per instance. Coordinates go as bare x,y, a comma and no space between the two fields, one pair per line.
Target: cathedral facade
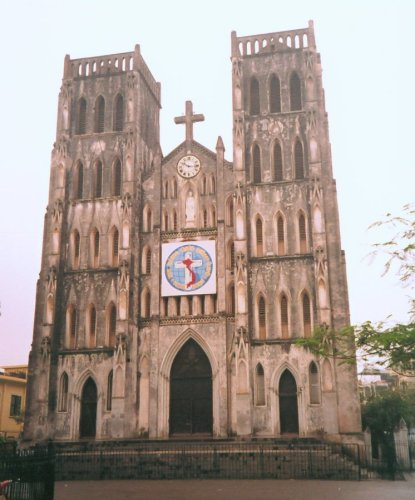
173,288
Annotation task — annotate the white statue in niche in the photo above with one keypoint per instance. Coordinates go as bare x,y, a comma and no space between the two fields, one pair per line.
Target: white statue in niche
190,209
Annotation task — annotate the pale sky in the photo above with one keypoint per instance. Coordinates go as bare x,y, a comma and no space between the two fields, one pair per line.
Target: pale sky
367,52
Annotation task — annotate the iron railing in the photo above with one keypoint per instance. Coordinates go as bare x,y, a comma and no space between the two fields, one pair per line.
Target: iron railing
31,471
214,460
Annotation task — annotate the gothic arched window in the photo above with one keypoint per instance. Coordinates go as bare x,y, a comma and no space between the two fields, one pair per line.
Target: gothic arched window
302,233
274,95
262,323
115,246
231,299
256,163
99,114
259,238
205,218
98,179
280,235
76,248
147,219
79,180
71,327
299,160
146,303
295,92
109,390
254,97
278,170
63,392
284,316
118,113
229,211
259,385
81,117
148,262
111,324
95,244
306,306
314,384
92,324
116,178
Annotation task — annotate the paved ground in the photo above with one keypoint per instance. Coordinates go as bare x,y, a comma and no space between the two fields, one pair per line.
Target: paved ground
238,490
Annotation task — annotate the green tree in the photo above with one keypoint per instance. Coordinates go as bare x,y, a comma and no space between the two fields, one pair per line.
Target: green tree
392,346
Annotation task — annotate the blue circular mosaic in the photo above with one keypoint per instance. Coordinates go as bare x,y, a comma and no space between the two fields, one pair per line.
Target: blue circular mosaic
188,268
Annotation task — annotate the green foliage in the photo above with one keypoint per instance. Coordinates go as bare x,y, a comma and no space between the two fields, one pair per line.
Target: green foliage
392,346
383,413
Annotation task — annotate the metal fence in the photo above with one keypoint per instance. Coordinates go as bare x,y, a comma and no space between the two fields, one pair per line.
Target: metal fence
31,472
229,460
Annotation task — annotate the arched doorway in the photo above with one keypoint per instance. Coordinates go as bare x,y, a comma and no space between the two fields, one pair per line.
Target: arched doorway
88,420
288,404
191,391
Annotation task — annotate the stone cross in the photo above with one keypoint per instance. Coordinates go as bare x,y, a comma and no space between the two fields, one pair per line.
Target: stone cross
188,119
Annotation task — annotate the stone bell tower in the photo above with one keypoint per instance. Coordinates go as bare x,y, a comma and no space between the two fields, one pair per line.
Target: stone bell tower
86,304
282,163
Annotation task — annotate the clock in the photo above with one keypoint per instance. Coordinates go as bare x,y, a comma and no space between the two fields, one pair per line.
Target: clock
188,166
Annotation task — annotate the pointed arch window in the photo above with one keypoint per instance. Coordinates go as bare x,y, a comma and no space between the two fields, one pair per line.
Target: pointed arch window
98,179
299,160
111,324
259,238
278,169
254,97
256,161
274,95
295,92
71,327
229,211
213,216
92,325
231,299
259,385
262,318
205,218
118,113
165,221
204,185
213,185
95,243
115,246
79,180
174,189
306,314
280,235
314,381
284,316
99,114
166,189
63,392
147,219
76,248
81,118
302,233
148,262
175,225
109,390
116,178
146,304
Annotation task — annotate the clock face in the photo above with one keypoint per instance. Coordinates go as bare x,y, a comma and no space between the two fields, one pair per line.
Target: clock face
188,166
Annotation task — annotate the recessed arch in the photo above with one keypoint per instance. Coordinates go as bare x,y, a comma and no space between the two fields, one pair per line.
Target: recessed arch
164,380
295,92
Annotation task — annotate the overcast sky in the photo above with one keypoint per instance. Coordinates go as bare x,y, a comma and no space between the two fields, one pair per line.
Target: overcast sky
367,52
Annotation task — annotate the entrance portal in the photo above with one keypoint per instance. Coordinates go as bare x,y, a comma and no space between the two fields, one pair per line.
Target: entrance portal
288,404
191,391
88,421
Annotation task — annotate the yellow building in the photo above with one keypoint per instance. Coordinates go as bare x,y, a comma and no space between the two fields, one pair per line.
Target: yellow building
12,399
